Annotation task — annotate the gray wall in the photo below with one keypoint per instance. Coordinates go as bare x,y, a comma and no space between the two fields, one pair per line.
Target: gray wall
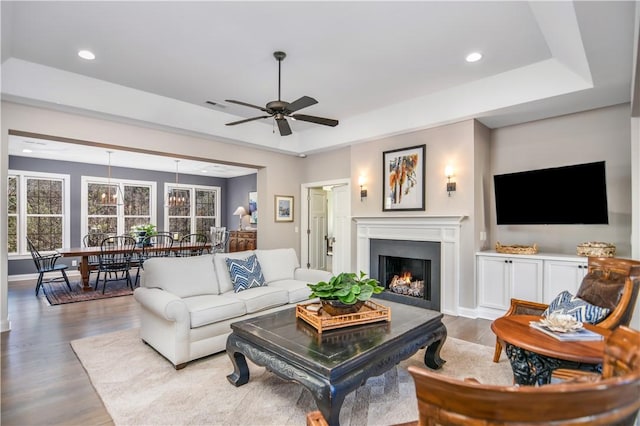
230,189
238,195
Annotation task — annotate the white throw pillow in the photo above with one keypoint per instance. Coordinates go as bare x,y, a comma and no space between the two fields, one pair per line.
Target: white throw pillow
278,264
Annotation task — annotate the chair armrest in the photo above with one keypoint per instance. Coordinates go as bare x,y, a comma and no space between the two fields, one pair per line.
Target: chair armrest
525,307
162,303
311,275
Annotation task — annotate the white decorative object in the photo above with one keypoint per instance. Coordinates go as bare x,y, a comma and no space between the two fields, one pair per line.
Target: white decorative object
560,323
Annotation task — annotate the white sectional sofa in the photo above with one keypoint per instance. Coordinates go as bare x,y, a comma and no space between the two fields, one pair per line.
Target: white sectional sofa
188,303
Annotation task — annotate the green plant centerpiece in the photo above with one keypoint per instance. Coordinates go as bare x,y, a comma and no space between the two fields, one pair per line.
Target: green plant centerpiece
140,232
345,293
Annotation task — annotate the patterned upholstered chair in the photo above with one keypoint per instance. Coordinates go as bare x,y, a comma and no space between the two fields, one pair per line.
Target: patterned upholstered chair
611,283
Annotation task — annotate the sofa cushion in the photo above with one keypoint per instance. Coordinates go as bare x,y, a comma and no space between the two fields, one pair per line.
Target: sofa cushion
260,298
182,276
222,271
209,309
298,290
599,291
245,273
278,264
581,310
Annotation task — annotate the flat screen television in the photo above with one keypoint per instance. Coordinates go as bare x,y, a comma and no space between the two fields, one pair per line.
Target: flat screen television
575,194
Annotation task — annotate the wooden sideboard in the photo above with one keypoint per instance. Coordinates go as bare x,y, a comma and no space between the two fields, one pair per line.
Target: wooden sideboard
242,240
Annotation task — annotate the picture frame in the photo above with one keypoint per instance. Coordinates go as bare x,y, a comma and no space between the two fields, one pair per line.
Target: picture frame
253,207
403,185
283,208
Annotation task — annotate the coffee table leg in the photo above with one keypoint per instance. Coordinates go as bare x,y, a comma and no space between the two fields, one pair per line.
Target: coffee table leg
330,406
432,354
240,375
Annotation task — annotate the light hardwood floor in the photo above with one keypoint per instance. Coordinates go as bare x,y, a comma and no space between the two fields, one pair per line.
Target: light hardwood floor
44,383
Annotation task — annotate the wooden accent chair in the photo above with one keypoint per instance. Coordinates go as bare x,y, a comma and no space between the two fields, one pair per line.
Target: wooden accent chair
610,283
611,399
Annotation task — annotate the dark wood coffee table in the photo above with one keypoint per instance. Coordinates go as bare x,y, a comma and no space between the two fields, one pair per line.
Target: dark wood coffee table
336,362
534,355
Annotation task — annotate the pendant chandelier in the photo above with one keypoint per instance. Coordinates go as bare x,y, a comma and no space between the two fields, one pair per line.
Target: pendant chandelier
177,197
109,197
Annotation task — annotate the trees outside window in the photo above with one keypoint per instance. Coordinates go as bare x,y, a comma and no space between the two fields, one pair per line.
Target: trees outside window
199,212
38,208
134,205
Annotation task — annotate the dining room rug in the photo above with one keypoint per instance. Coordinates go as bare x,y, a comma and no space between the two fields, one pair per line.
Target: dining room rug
57,293
139,387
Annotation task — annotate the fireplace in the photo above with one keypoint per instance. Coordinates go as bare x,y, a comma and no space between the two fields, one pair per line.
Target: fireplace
444,230
409,271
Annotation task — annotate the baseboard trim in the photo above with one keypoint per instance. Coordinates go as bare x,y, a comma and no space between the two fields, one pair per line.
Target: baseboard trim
29,277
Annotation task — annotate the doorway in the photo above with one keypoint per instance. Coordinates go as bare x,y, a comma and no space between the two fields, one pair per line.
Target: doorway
326,226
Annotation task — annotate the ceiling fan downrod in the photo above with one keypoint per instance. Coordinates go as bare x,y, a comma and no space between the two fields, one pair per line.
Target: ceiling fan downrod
279,57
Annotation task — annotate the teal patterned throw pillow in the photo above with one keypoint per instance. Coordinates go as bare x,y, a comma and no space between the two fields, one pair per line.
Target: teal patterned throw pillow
567,303
245,274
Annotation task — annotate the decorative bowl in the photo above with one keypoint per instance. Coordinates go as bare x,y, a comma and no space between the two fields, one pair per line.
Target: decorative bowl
336,307
561,323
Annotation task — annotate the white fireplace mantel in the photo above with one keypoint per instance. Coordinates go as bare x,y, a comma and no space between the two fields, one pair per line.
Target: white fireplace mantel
442,229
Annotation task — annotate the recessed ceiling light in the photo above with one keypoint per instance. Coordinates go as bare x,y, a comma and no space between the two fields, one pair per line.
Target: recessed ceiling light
86,54
27,150
474,57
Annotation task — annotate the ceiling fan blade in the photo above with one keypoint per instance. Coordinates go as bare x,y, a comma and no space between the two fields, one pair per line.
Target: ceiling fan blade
303,102
316,120
247,120
283,126
248,105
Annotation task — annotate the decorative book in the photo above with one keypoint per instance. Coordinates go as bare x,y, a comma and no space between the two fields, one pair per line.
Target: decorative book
570,336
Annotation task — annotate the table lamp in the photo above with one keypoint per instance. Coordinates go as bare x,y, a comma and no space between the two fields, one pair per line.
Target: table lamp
240,211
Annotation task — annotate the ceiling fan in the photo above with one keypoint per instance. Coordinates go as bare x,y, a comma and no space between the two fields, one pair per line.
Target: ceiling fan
280,109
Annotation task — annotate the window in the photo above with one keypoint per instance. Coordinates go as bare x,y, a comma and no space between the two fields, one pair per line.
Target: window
135,205
198,213
38,208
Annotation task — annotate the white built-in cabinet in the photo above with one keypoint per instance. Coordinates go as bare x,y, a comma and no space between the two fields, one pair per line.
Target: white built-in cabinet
538,278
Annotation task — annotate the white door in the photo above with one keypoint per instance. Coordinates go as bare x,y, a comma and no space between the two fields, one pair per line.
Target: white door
341,216
317,228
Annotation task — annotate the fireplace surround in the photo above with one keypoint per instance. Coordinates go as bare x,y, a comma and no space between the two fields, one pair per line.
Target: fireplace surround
440,229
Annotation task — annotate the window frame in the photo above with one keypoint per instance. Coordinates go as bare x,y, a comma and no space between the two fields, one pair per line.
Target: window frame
120,216
192,208
21,191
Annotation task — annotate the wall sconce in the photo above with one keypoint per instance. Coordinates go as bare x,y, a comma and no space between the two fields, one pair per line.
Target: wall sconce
451,186
363,190
240,211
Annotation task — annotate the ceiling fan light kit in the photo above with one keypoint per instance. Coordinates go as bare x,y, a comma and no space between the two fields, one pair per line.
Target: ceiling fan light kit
281,110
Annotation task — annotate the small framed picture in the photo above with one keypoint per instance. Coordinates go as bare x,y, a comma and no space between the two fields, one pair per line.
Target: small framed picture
284,208
403,182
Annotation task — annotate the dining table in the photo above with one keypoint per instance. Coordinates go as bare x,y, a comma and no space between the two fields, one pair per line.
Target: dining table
85,252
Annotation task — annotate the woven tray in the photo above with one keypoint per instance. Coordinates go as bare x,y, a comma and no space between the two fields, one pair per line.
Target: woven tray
517,249
596,249
322,321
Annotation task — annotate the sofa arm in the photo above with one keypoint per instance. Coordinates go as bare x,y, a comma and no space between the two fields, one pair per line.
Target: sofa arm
162,303
311,275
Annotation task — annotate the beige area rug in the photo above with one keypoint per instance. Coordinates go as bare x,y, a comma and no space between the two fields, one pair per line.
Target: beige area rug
140,387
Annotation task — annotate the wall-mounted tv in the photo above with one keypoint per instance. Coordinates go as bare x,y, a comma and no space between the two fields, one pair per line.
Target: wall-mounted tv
575,194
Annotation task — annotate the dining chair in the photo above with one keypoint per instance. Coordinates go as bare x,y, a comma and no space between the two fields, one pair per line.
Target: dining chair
192,245
47,263
220,240
158,245
115,256
94,239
